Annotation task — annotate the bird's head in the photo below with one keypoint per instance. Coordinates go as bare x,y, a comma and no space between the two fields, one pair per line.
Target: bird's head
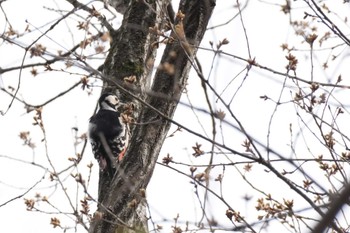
109,101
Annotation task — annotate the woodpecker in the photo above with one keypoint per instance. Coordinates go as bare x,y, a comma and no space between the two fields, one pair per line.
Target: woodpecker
108,133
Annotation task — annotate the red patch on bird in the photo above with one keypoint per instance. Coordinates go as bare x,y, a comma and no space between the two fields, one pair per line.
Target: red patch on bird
121,155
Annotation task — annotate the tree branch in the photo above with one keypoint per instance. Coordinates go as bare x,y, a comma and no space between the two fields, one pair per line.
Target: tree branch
125,194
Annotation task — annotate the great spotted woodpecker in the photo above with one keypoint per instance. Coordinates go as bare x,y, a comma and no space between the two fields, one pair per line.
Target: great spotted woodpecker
108,133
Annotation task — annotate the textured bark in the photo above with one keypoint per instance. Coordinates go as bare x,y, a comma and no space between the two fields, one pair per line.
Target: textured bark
124,194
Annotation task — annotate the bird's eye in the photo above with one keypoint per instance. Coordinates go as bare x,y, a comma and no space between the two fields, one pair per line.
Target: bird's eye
112,100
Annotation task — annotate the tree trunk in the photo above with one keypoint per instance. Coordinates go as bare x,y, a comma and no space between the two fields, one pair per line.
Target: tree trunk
122,198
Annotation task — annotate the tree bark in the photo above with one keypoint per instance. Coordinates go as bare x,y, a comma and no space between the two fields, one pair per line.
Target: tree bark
122,198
